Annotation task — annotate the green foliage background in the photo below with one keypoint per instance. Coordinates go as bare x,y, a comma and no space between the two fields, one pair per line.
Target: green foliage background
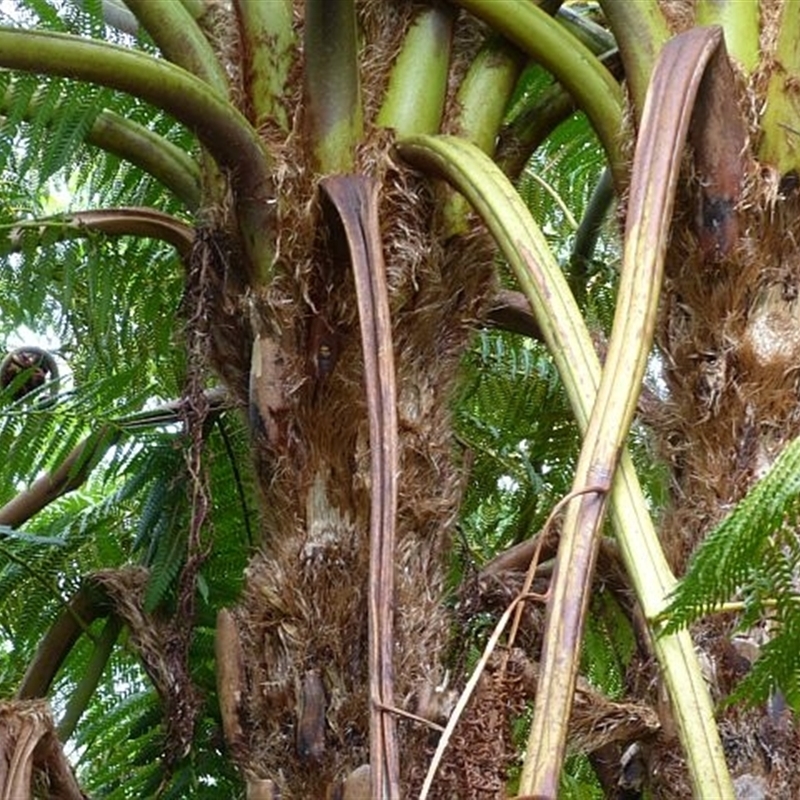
113,306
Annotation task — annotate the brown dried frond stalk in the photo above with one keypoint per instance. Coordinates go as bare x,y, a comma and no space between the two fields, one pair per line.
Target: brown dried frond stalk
162,645
31,755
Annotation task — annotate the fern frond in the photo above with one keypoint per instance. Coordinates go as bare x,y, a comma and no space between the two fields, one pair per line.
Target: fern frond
512,415
734,555
777,668
608,646
753,556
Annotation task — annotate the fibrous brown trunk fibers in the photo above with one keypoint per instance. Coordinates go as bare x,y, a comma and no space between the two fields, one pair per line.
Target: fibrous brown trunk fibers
302,623
293,681
729,345
731,348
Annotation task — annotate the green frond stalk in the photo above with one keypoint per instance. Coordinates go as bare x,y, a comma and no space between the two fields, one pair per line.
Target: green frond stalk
741,24
83,693
641,31
552,106
654,178
67,477
588,232
84,457
526,250
594,36
166,162
195,8
481,101
269,40
484,93
333,110
414,101
230,139
181,40
86,605
157,156
572,63
780,143
518,237
145,222
528,130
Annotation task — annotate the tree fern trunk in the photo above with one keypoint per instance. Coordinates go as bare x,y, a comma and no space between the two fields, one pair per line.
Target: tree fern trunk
291,351
730,345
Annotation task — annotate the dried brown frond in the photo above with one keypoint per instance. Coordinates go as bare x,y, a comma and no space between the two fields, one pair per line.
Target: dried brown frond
32,758
483,751
162,645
